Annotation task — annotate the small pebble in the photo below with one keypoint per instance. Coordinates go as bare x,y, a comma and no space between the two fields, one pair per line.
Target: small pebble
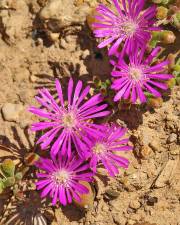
172,138
85,54
112,193
11,111
63,43
155,145
135,204
53,36
145,152
33,78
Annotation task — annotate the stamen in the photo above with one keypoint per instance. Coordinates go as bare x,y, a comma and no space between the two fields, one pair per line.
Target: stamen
99,148
69,120
135,73
61,177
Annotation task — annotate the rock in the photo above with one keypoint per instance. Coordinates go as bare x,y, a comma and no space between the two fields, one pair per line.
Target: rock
63,43
112,193
85,54
14,30
53,36
135,204
63,13
151,200
172,138
145,152
174,149
11,111
166,173
33,78
155,145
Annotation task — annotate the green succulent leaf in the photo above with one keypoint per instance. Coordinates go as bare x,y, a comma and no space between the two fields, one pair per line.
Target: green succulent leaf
8,167
1,186
18,176
10,181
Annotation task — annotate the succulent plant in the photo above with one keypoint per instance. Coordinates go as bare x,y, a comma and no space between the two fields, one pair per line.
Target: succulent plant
8,174
165,37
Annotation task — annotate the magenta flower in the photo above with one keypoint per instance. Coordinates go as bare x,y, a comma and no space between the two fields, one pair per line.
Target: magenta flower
130,25
134,78
61,177
102,149
68,123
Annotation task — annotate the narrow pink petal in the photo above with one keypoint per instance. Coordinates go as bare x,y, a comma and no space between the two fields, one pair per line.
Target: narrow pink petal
106,42
70,90
77,92
59,91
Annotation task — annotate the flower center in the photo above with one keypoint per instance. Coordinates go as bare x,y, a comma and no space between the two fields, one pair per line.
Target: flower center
69,120
61,177
135,73
99,148
129,28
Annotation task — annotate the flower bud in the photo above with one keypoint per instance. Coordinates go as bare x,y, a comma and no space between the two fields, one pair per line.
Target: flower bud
87,200
175,20
171,83
161,12
177,68
164,2
167,37
8,167
155,102
91,19
31,159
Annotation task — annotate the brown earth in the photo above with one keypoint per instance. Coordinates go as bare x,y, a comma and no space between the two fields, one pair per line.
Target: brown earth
35,48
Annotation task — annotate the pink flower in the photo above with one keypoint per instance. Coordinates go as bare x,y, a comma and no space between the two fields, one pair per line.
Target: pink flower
60,178
129,25
102,149
68,124
138,75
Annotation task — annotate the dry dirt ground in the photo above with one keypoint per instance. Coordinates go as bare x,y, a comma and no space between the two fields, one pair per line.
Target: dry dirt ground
36,48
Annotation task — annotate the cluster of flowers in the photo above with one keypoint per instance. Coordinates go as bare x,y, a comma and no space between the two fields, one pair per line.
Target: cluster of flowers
128,31
77,144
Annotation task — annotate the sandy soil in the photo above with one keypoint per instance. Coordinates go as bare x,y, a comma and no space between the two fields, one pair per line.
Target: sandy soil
36,48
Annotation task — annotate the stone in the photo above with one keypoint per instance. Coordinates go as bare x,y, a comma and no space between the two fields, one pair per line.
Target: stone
11,111
145,152
33,78
172,138
135,204
174,149
53,36
63,13
112,193
167,173
85,54
155,145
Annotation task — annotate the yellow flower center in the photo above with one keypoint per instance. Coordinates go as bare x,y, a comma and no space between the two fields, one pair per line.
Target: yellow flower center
69,120
135,73
61,177
99,148
129,27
